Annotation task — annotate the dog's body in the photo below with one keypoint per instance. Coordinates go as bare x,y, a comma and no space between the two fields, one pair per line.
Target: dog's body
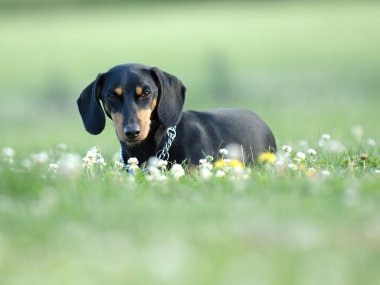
144,102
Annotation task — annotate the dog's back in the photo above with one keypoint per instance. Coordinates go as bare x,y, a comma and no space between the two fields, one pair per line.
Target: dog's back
204,133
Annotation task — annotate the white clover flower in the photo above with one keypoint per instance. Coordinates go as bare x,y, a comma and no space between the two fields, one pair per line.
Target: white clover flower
371,142
26,163
312,152
220,174
335,146
133,167
223,151
118,165
132,160
287,148
301,156
235,151
155,174
93,157
62,146
53,167
101,162
40,158
292,166
357,131
162,164
325,173
87,162
204,163
177,171
237,171
209,158
310,172
8,152
205,173
326,137
303,144
69,165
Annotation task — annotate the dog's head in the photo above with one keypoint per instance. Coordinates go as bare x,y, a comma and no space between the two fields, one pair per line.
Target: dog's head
130,94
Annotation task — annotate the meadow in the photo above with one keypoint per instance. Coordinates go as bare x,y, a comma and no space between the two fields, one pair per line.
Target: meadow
308,69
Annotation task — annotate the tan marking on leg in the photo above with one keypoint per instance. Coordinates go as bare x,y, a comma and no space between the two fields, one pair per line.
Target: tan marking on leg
139,90
118,91
144,118
118,120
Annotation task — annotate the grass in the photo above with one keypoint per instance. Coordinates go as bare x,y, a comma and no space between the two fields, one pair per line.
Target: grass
306,68
274,226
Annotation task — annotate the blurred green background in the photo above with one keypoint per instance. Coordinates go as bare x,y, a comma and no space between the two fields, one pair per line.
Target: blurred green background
305,67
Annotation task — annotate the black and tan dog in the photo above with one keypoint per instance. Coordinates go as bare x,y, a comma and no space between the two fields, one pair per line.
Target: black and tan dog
143,102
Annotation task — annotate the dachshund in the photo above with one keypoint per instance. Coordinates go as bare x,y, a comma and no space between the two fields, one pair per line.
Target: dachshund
146,107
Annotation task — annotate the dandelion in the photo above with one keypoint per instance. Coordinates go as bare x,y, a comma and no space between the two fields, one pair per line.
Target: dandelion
177,171
311,152
287,149
300,156
220,174
292,166
267,157
205,173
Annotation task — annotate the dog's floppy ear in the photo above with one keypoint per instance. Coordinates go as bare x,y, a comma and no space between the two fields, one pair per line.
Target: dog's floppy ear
89,108
171,97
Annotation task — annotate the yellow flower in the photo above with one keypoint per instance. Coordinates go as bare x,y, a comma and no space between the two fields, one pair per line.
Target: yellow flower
220,163
267,157
236,163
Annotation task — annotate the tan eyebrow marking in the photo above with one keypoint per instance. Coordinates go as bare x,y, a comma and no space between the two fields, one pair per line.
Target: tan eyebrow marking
139,90
118,91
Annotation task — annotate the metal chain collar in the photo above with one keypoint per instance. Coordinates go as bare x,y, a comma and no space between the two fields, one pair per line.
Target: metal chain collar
163,153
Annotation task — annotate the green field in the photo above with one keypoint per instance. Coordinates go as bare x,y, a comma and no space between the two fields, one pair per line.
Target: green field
305,68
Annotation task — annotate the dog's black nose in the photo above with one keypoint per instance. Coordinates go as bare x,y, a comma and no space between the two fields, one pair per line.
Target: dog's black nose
132,131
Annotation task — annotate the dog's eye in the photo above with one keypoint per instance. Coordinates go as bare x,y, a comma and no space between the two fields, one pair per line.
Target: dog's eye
146,92
113,96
